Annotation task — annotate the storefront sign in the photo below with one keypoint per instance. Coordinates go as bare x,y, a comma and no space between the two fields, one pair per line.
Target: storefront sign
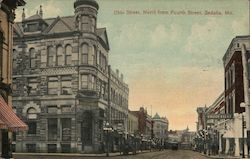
220,116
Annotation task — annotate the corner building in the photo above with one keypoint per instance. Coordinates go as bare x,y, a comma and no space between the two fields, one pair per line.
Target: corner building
64,87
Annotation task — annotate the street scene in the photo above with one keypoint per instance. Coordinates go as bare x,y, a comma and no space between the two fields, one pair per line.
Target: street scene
153,155
125,80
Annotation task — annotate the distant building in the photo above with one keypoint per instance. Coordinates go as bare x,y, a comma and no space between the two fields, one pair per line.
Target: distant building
145,123
63,84
132,123
9,122
160,127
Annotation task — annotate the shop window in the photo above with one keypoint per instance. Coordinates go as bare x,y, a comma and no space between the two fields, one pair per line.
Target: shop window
31,147
66,129
66,148
52,129
52,148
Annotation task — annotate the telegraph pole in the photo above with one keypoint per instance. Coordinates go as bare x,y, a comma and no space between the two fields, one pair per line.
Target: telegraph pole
246,89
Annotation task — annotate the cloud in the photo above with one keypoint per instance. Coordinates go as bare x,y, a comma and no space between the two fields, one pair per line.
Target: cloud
162,35
241,26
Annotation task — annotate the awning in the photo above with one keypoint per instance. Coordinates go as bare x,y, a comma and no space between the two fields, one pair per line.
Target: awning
2,125
9,118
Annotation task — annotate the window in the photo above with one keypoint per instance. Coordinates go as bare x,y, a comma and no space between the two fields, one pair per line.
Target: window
31,113
32,27
31,147
52,129
32,127
84,81
52,148
85,23
68,54
52,109
66,85
93,82
66,108
51,56
100,59
33,85
14,58
93,24
84,55
53,85
59,54
91,55
32,54
248,66
66,129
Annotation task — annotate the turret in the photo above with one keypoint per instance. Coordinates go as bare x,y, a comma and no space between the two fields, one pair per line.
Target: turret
85,15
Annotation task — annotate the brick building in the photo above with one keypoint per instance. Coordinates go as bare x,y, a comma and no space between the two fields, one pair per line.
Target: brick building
9,122
64,86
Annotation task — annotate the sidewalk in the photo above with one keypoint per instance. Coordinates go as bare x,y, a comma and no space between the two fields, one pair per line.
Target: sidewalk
220,156
77,154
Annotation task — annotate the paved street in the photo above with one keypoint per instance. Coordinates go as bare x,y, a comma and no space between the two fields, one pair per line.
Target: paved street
168,154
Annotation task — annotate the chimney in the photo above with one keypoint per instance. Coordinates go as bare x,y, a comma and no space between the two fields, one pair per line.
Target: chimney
117,72
41,11
121,77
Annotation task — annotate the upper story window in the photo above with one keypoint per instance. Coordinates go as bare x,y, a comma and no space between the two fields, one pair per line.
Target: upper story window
66,85
32,27
85,23
53,85
32,54
68,54
14,59
33,85
52,109
51,56
31,113
93,24
84,54
60,57
91,55
84,81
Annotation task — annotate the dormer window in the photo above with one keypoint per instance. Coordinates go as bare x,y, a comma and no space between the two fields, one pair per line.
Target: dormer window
32,27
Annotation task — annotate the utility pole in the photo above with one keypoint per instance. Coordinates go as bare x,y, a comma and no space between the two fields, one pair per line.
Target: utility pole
243,136
246,88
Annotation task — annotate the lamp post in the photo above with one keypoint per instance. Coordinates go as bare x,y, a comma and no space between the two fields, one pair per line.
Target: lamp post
141,141
107,129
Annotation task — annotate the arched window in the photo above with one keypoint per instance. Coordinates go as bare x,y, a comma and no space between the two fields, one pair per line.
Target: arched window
68,54
60,57
84,54
32,54
51,56
31,113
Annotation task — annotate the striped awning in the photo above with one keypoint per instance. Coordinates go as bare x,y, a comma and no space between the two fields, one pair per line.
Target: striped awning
9,119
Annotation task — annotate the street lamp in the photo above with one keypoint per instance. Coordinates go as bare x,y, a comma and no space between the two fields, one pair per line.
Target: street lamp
141,141
107,129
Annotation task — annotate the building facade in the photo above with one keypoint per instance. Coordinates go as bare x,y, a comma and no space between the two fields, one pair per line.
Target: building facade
132,123
234,94
9,122
64,86
160,127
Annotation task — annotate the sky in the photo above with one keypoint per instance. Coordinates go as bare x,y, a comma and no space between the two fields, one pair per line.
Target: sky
172,62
